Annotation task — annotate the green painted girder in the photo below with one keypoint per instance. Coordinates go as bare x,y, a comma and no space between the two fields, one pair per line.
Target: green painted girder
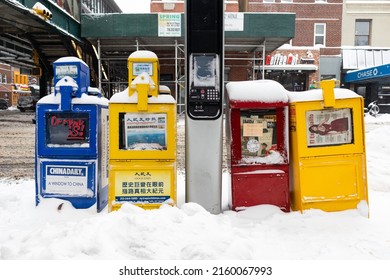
146,25
60,18
266,25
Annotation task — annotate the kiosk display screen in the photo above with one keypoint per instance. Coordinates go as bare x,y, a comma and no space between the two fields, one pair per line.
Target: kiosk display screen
204,70
67,130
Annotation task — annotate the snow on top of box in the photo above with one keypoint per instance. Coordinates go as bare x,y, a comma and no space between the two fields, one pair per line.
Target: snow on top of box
164,89
84,99
267,91
316,94
143,54
90,99
66,81
71,59
142,78
123,97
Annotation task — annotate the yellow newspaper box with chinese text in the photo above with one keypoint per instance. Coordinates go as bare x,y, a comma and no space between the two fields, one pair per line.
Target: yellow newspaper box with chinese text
142,139
328,157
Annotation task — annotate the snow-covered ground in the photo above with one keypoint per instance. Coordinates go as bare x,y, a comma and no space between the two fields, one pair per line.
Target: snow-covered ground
188,232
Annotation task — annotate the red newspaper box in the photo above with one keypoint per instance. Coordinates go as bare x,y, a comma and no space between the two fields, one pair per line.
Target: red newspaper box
257,144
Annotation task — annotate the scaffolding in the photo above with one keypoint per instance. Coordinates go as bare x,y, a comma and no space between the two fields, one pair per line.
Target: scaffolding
112,72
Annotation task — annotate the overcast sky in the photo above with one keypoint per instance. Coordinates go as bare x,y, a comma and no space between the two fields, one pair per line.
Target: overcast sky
134,6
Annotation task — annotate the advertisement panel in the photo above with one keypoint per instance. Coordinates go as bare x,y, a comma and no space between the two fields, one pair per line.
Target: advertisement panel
67,129
143,186
145,131
67,179
329,127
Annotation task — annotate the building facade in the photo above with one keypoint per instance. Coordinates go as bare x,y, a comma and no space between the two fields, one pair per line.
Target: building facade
365,45
6,82
314,53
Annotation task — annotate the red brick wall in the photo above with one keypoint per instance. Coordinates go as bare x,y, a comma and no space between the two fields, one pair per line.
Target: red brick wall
307,14
157,6
6,88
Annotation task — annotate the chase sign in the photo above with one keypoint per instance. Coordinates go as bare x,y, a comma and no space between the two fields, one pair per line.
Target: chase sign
382,71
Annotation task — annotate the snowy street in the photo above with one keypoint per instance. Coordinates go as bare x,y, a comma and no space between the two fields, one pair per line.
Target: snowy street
187,231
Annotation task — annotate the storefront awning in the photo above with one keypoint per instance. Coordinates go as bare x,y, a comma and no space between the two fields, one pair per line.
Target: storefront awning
371,74
296,67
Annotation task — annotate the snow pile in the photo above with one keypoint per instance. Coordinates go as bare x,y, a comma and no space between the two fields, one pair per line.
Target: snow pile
55,230
273,158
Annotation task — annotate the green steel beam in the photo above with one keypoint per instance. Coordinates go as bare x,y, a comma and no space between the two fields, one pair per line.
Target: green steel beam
266,25
119,25
146,25
60,17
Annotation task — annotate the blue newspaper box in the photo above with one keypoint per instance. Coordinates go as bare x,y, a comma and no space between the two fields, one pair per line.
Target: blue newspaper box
71,142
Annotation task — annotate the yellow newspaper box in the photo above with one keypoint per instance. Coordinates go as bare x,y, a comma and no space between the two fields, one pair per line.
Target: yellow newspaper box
142,139
328,157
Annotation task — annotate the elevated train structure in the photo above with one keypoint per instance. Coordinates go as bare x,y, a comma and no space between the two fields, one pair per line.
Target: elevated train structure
32,39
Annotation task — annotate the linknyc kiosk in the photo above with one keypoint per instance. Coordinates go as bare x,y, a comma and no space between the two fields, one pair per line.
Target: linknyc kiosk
142,143
71,139
257,144
328,157
204,99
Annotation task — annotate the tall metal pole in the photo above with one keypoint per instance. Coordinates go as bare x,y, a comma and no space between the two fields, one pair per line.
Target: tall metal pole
176,69
99,66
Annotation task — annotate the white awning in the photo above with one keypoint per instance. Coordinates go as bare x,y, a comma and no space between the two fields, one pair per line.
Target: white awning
361,58
288,67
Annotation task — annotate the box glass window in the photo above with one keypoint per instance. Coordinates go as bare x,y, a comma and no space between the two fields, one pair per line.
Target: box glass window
143,131
67,130
329,127
259,137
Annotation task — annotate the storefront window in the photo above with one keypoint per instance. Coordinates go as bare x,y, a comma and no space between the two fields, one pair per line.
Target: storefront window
291,80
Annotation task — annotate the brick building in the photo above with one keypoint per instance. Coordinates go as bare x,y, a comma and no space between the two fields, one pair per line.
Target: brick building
313,54
316,45
6,82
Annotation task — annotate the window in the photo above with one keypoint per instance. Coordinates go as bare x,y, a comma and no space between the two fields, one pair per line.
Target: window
4,79
286,1
1,78
319,33
362,32
320,1
268,1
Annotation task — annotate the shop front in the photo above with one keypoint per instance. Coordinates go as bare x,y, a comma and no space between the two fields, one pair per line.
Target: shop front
367,72
296,70
373,84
